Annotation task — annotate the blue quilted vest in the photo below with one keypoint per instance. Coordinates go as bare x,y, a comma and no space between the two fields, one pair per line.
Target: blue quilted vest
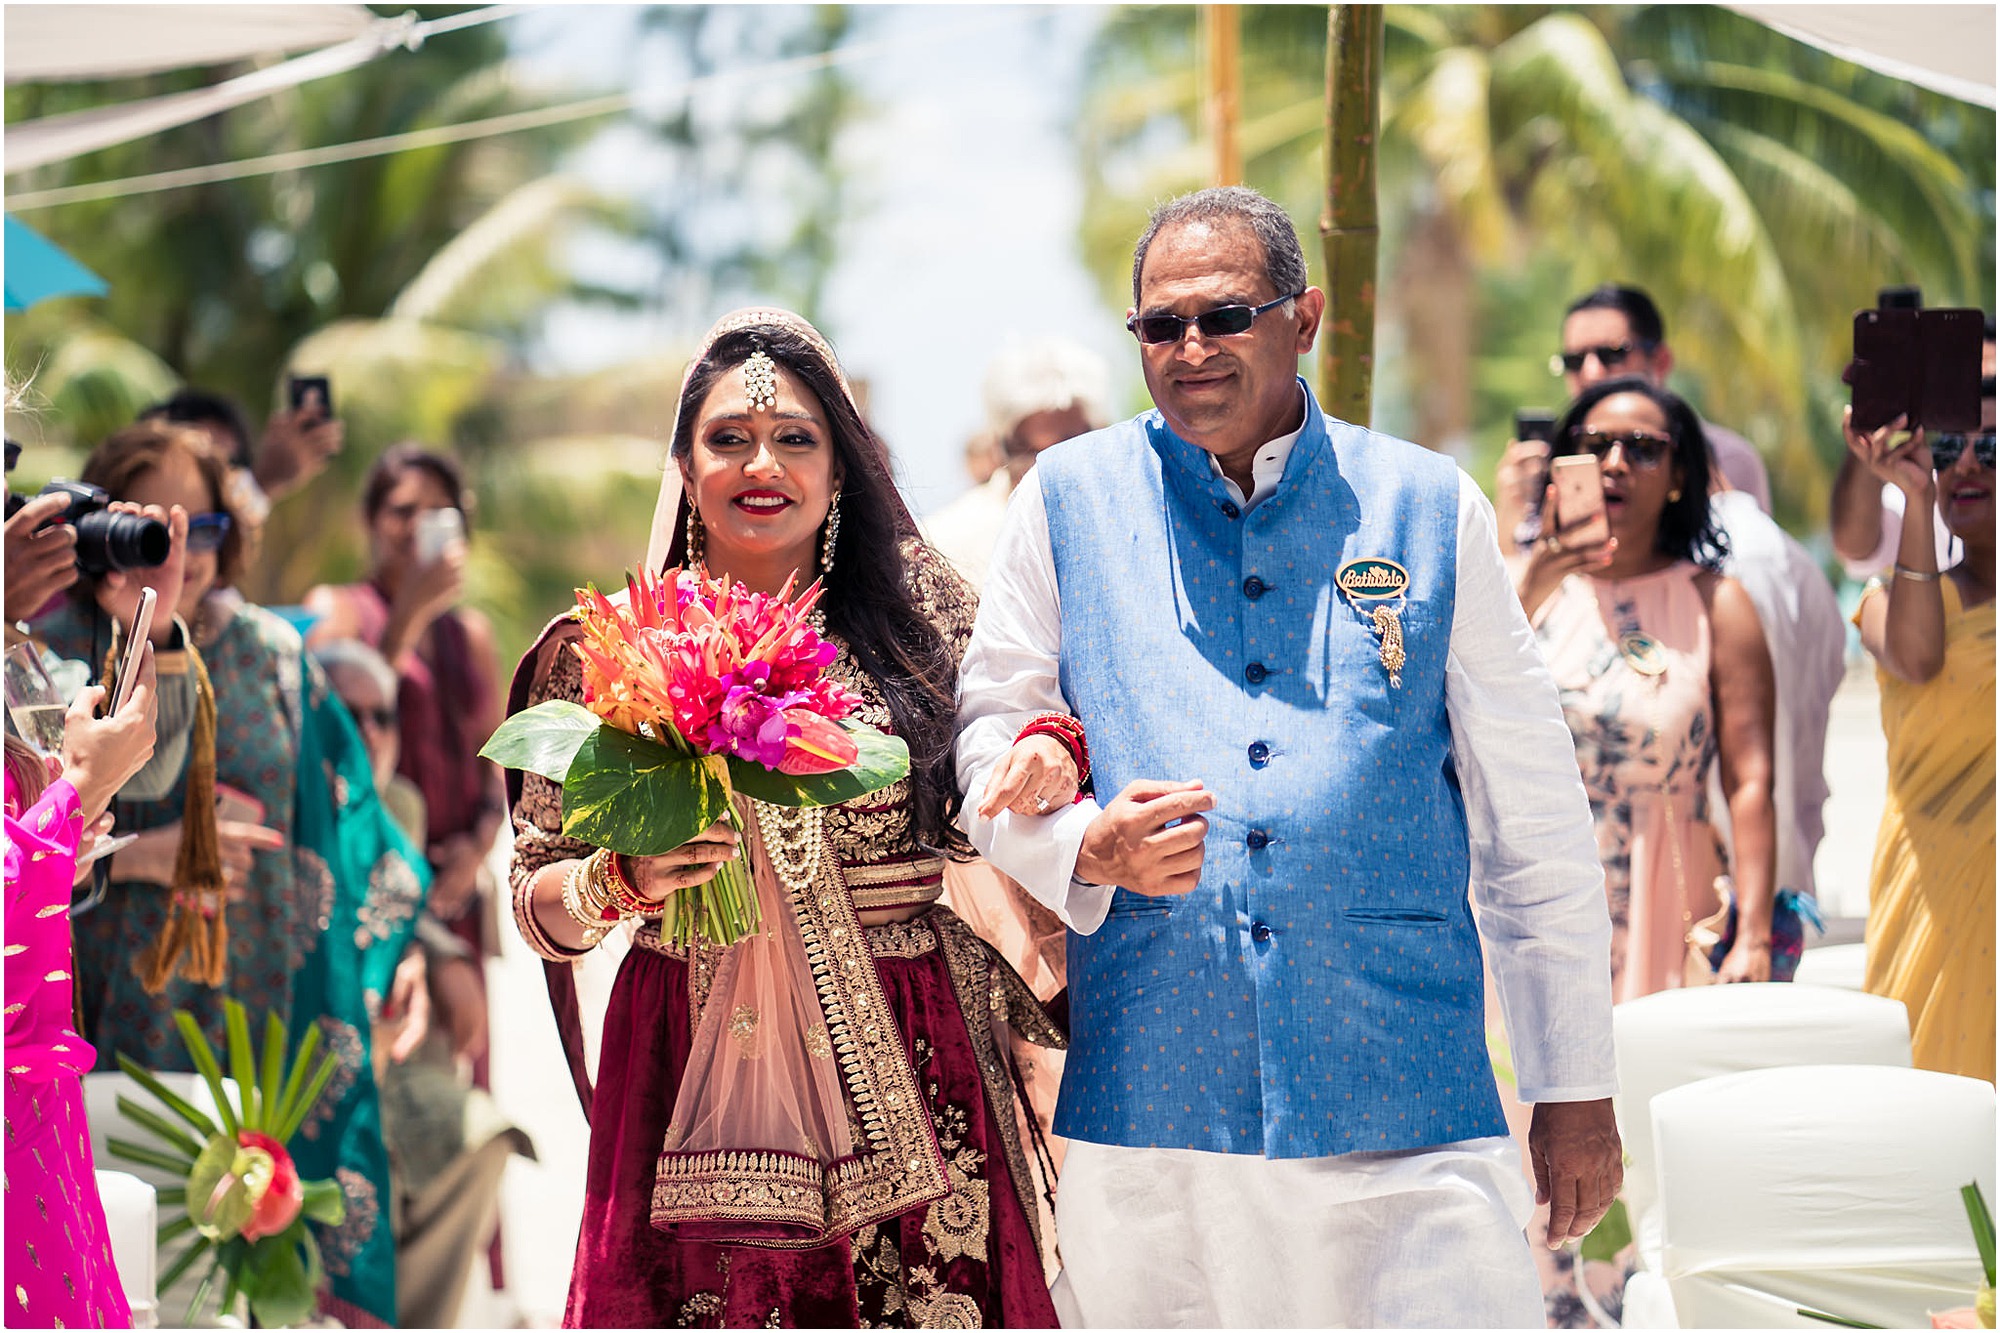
1320,992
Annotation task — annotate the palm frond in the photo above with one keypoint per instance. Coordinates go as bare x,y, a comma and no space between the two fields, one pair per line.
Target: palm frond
501,262
1447,117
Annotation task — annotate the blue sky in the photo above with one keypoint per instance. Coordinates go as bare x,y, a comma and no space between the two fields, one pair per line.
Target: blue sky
966,236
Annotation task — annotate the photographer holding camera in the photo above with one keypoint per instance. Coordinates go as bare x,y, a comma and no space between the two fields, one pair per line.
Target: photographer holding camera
72,530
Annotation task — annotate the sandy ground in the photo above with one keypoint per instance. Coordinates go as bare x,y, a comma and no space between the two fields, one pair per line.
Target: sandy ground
542,1201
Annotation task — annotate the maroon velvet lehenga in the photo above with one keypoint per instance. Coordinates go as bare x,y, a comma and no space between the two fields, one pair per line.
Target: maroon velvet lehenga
933,1221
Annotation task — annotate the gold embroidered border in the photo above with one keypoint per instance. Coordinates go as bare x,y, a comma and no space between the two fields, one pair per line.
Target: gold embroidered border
989,993
898,895
897,1166
902,870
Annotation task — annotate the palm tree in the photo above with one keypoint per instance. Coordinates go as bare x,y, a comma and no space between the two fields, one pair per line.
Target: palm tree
1759,188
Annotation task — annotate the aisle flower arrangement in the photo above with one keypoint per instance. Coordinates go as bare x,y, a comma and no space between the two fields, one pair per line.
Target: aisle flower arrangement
695,690
243,1199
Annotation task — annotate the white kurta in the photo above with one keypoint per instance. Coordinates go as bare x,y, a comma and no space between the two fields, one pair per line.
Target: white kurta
1426,1237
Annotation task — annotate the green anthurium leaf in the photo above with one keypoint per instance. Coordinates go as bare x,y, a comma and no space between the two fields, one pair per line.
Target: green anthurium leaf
883,759
281,1295
221,1194
543,739
637,796
324,1203
126,1151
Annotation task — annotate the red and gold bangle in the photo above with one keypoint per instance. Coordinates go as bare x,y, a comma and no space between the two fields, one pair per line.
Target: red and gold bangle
1067,732
623,895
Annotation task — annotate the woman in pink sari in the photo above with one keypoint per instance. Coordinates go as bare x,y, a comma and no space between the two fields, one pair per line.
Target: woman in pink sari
815,1127
59,1271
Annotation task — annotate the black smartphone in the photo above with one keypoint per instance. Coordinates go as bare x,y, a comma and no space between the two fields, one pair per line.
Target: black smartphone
1899,298
1535,423
1920,364
312,394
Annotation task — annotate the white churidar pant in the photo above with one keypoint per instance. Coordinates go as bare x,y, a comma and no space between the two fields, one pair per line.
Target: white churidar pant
1172,1238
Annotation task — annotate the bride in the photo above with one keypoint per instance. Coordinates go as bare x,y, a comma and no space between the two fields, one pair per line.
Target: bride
815,1127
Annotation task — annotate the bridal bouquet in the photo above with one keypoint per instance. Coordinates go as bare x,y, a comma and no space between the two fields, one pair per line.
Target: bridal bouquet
243,1198
696,689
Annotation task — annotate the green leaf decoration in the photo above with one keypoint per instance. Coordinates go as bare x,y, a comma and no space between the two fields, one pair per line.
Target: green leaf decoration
282,1294
1612,1233
321,1077
295,1083
127,1151
883,759
198,1121
242,1066
1981,1218
1826,1318
183,1261
324,1203
161,1126
204,1063
220,1191
180,1226
543,739
270,1084
636,796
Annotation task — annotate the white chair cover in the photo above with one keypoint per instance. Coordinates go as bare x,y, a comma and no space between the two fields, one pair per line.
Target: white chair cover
132,1216
1840,965
1679,1036
1834,1187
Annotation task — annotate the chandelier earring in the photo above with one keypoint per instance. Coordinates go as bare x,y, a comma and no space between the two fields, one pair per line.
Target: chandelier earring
697,538
832,536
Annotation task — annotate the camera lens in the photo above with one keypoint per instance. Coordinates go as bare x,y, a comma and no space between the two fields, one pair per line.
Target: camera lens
106,543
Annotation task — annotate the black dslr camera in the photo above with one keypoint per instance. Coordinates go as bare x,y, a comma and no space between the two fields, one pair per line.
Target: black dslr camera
105,542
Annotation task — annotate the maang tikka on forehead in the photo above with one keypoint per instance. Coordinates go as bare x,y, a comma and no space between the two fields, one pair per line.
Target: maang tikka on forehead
760,380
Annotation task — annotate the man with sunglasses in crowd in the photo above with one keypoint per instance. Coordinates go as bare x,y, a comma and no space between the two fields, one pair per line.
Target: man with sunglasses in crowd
1867,515
1315,717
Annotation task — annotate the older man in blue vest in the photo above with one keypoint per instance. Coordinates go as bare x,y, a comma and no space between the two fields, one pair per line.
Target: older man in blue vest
1315,718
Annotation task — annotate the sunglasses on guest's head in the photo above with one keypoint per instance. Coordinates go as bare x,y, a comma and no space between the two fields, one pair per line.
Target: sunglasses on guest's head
207,532
1221,322
1639,449
1948,446
1608,356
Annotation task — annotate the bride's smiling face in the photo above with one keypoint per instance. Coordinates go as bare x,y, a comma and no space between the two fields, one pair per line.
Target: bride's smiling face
762,477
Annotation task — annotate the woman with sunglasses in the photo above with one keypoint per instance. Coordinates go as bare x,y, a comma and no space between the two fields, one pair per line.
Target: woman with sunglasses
1663,671
272,854
1931,633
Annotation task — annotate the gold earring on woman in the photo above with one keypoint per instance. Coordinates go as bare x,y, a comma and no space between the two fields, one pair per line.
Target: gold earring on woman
1673,495
832,536
697,537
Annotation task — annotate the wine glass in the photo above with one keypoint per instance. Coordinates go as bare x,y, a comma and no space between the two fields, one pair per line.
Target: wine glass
33,702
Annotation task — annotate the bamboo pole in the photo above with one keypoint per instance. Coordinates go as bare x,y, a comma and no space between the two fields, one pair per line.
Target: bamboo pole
1348,233
1225,82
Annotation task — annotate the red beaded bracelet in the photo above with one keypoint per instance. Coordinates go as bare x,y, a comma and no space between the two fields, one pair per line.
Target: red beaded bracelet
625,899
1067,732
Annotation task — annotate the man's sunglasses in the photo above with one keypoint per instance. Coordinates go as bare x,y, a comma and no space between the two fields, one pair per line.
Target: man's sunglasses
1221,322
1638,449
207,532
1946,449
1610,357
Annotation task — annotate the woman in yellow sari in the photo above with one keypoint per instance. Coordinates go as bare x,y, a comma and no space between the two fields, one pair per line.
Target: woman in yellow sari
1930,897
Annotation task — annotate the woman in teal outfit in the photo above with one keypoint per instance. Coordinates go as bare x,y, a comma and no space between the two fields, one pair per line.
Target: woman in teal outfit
323,889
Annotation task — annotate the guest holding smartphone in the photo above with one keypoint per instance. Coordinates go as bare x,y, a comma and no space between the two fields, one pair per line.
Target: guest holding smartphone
448,692
1931,633
59,1270
1663,671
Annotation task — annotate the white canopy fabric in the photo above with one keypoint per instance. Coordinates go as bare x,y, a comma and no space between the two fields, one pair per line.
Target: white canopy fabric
36,143
1948,48
68,42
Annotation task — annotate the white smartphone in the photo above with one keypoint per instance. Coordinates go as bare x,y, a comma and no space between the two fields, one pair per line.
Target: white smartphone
1580,518
436,530
128,667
